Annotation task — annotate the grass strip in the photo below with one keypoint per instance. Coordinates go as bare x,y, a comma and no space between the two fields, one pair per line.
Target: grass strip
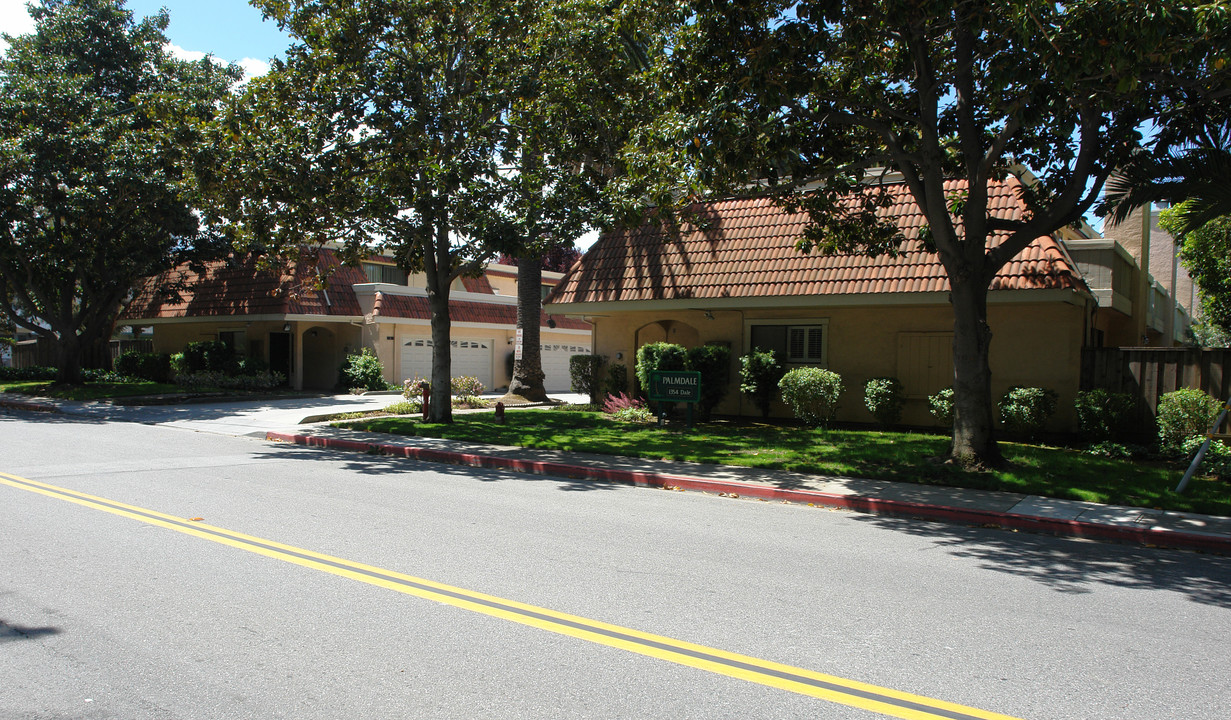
898,456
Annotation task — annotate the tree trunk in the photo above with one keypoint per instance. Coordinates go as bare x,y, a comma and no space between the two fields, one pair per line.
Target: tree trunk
69,348
440,409
973,441
527,382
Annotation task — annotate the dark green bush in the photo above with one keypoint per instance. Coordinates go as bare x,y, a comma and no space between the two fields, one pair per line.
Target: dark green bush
812,393
884,398
362,371
27,374
1025,410
586,374
1183,414
713,362
210,356
659,356
759,374
617,379
941,406
155,367
1103,415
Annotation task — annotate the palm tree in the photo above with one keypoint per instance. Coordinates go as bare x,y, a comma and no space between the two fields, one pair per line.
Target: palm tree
1196,178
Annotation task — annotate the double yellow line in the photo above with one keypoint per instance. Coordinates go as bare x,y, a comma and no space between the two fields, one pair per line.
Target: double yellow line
835,689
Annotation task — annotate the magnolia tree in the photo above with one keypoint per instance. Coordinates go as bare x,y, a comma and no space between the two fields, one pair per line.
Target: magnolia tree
787,94
99,135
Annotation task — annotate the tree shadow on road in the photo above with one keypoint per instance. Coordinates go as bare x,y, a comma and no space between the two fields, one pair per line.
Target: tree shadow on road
375,463
1074,566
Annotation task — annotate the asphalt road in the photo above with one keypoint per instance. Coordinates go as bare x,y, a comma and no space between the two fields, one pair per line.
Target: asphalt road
106,615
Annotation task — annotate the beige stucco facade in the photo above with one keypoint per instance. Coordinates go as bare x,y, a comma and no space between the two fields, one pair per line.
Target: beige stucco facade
1037,341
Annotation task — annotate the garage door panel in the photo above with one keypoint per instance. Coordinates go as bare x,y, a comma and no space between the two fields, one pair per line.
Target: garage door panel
470,357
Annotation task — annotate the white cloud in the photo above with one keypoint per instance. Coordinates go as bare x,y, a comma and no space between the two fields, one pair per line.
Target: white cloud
253,68
180,53
14,20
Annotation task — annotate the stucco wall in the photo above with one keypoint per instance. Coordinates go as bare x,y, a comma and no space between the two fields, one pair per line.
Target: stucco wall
1033,344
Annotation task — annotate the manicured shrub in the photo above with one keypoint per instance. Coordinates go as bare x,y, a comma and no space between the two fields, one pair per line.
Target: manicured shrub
98,375
812,393
713,362
155,367
466,386
884,398
1103,415
362,371
210,356
617,379
759,374
222,381
32,373
586,374
1025,410
411,389
940,406
405,407
659,356
634,415
1183,414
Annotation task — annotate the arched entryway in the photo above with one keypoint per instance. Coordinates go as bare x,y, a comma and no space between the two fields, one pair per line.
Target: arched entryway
672,331
321,358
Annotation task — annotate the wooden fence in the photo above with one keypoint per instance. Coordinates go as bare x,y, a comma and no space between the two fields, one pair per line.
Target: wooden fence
1149,373
42,353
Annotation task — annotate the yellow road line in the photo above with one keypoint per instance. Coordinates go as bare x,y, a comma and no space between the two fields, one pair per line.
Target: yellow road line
886,701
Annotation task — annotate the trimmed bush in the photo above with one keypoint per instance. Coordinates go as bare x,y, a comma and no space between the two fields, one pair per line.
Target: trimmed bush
812,394
1217,459
586,374
759,374
884,398
405,407
1025,410
1103,415
659,356
209,356
1183,414
940,406
33,373
155,367
362,371
617,379
465,386
713,362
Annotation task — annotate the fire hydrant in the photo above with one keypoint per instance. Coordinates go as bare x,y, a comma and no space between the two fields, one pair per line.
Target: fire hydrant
500,413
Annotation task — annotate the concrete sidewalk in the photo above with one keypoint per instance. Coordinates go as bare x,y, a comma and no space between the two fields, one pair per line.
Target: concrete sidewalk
294,420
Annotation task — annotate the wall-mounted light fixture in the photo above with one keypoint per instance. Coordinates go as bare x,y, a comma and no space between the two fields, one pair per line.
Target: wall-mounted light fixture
286,327
709,315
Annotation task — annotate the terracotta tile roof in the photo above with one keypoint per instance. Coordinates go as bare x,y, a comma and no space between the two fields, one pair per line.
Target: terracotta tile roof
237,287
747,249
478,285
416,307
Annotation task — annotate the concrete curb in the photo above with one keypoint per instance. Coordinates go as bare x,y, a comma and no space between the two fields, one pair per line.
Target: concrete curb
1149,537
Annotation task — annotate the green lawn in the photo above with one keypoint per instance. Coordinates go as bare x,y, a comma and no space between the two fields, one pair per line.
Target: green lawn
1037,470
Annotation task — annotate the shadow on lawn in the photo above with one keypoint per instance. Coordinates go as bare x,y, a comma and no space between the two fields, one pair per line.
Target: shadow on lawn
1076,566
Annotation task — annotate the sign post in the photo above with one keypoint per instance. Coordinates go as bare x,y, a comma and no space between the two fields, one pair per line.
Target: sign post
675,386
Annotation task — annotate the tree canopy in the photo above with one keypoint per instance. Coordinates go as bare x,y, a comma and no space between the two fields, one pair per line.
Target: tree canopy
99,134
442,132
823,95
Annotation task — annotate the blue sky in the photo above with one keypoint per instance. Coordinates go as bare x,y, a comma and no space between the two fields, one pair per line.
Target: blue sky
230,30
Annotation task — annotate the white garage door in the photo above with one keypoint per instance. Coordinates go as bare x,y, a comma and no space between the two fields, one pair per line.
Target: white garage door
555,365
470,357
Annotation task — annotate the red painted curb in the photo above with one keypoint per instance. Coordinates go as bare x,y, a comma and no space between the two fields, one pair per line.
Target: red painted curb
875,506
32,407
